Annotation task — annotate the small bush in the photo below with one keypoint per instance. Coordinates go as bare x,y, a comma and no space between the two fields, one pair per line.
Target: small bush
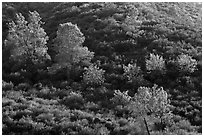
93,75
186,63
7,86
155,62
23,86
45,93
92,106
121,98
73,101
132,71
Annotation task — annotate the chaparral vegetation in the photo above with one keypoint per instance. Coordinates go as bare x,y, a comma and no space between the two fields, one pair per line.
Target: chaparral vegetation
101,68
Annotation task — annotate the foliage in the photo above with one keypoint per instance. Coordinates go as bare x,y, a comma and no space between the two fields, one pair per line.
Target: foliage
155,62
26,49
151,100
121,98
23,86
68,44
105,59
93,75
7,86
29,39
73,100
186,63
132,72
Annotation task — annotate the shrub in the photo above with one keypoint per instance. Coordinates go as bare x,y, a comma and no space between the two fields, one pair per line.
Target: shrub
7,86
155,62
132,71
45,93
92,106
73,100
93,75
23,86
64,84
121,98
101,130
186,63
182,127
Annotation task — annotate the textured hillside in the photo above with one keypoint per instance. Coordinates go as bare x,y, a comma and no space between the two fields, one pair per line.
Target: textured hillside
110,68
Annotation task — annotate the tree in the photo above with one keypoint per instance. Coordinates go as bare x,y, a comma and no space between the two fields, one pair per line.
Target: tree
69,47
151,101
27,44
29,39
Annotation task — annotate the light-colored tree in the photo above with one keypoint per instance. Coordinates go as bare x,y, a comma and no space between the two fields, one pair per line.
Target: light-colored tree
69,47
147,102
151,101
28,39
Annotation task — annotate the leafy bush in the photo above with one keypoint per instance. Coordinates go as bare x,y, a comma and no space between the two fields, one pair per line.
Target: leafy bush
92,106
23,86
121,98
132,71
155,62
73,101
93,75
45,92
186,63
7,86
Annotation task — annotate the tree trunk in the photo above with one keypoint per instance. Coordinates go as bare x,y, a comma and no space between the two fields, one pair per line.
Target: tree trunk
146,126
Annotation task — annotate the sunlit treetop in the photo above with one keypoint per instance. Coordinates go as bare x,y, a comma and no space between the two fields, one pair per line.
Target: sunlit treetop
69,35
68,44
153,100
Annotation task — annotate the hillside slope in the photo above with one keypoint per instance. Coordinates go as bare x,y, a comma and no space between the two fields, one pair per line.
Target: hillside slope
135,45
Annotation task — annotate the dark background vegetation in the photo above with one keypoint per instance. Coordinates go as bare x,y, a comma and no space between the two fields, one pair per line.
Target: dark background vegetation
42,103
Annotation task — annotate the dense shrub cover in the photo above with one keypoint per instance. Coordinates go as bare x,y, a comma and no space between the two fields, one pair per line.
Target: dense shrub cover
88,68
